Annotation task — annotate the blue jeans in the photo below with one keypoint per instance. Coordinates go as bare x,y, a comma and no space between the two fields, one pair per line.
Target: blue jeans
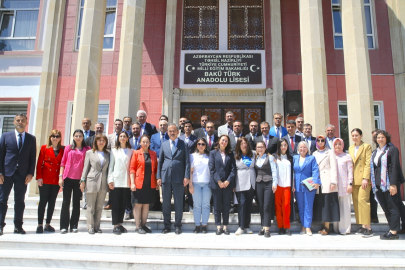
201,198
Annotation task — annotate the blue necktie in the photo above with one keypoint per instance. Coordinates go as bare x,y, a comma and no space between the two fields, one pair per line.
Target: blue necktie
278,132
136,143
20,144
173,147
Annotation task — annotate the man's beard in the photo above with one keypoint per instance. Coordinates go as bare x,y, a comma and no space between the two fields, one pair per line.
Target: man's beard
136,134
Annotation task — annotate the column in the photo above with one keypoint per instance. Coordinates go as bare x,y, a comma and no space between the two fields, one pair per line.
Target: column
359,91
277,57
269,105
168,70
396,13
176,106
89,63
128,95
49,75
314,80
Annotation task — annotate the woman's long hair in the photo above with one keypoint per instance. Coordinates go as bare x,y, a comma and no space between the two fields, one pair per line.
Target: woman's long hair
228,146
205,149
118,144
96,139
238,150
279,149
73,145
54,132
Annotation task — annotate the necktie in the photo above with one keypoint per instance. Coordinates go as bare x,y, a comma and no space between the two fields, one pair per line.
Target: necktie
278,132
161,138
135,143
20,143
265,141
173,147
292,143
210,142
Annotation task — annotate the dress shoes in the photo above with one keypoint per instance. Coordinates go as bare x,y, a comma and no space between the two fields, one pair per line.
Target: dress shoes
107,207
40,229
288,232
19,230
389,236
122,229
267,233
226,231
197,229
281,231
204,229
49,228
91,231
98,230
147,229
178,230
117,230
219,231
261,232
166,230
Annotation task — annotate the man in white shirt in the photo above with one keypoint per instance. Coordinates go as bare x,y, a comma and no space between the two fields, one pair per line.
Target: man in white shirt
292,138
330,135
309,138
300,126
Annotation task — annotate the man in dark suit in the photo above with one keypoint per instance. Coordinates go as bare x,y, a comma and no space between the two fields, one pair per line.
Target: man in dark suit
292,138
146,128
330,136
201,132
135,138
236,134
211,137
309,138
165,118
99,129
86,124
173,175
270,141
127,125
182,120
17,166
251,136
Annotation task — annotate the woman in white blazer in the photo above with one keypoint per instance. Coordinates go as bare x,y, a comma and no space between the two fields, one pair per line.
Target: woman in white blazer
94,181
326,204
119,180
245,183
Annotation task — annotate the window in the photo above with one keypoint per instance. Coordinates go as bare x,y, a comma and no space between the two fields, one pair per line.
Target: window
200,20
18,24
7,114
109,29
337,24
103,115
344,122
246,31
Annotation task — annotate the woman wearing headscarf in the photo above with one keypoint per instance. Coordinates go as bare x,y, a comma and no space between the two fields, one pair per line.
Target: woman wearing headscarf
326,204
345,187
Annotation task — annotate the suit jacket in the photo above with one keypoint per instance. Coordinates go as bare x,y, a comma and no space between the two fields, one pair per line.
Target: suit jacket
233,141
213,143
245,176
173,168
271,145
118,172
48,165
191,142
223,130
251,140
92,133
131,142
112,140
393,163
200,133
361,163
297,141
137,167
327,143
10,156
94,173
309,169
220,171
149,129
90,140
312,147
327,165
156,143
274,134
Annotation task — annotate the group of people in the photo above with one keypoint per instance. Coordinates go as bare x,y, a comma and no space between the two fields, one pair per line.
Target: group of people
271,165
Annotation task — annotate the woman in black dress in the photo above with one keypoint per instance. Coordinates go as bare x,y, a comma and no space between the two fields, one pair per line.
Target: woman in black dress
143,183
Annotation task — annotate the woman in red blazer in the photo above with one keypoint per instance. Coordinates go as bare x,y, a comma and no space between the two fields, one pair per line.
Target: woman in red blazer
143,183
48,168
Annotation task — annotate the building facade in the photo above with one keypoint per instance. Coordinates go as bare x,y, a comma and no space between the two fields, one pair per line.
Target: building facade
332,61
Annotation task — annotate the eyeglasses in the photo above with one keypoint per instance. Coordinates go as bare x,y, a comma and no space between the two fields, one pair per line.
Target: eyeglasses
320,140
201,144
55,136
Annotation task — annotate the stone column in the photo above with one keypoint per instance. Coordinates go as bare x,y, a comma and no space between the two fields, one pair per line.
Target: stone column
314,80
170,46
359,90
396,13
128,95
277,57
269,105
176,106
49,75
89,63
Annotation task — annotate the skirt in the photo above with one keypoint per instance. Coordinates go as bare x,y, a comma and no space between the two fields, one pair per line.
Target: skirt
326,207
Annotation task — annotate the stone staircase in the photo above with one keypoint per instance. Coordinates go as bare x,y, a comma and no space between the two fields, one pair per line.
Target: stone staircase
188,250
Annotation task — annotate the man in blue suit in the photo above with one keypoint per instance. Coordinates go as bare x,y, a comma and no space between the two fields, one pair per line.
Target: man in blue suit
277,130
135,137
17,166
311,141
173,175
158,138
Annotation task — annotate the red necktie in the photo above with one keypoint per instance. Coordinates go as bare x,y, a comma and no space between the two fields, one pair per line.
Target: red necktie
292,143
210,141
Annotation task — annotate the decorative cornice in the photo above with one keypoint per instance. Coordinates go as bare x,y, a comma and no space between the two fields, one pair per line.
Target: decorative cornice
223,92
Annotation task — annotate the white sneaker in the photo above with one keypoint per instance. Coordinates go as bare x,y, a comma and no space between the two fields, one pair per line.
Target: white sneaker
239,231
248,230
